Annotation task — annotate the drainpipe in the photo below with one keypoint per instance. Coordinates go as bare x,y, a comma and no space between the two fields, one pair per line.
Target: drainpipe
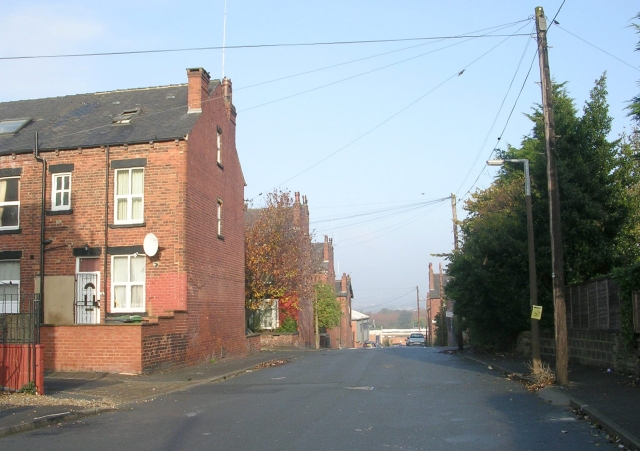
106,232
40,318
42,223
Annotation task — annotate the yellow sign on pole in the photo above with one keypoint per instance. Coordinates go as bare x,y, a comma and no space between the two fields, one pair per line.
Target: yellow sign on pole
536,312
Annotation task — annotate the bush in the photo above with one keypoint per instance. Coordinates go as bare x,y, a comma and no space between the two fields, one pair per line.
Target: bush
288,325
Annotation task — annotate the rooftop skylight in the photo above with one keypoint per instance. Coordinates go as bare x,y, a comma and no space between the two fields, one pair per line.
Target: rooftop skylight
125,117
13,125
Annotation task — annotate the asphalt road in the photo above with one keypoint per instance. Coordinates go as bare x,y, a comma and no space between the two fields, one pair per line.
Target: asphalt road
365,399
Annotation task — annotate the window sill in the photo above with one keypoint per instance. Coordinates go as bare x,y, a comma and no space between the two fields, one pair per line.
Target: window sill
221,237
127,226
220,165
10,231
58,212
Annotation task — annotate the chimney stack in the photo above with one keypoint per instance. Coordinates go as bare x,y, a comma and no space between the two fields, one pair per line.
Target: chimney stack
343,286
198,89
431,281
326,249
227,93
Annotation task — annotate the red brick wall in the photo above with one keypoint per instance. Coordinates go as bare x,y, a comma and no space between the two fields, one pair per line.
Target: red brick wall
214,264
112,349
164,343
281,340
253,343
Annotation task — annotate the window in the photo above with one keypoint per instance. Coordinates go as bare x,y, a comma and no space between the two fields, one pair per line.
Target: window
9,286
13,125
219,213
219,146
125,117
269,315
129,195
61,192
9,203
128,283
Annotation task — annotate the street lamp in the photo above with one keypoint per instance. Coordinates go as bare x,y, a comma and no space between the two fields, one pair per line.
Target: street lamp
533,289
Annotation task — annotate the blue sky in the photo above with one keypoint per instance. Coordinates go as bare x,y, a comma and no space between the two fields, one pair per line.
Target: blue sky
376,135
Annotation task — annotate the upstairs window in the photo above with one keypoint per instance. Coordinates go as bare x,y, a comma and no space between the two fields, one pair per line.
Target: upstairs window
61,192
13,125
9,203
129,196
219,146
219,215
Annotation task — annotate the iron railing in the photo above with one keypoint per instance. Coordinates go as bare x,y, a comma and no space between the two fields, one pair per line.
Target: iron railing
19,319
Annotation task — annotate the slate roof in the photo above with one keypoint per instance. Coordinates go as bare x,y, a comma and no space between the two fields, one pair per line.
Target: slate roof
85,120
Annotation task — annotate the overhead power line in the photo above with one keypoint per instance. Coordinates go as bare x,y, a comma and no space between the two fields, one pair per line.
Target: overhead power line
249,46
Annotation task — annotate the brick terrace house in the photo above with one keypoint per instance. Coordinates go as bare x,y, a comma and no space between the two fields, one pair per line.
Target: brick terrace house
141,218
342,336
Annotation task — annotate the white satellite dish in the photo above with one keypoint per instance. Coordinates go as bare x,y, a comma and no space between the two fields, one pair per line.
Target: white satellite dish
150,245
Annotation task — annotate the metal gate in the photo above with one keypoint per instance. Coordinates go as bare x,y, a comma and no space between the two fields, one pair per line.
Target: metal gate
87,301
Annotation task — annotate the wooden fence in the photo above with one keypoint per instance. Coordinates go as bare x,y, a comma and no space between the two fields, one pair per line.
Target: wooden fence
593,305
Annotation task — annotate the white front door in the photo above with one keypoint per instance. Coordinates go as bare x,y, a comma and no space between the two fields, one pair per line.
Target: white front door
87,304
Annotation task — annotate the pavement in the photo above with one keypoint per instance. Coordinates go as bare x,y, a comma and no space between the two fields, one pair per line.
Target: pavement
610,400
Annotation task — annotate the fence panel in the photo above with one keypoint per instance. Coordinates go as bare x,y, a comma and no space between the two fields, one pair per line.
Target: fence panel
594,305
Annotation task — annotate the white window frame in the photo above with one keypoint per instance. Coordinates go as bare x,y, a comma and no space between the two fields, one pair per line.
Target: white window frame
14,306
219,217
219,146
127,284
11,203
128,197
269,314
55,192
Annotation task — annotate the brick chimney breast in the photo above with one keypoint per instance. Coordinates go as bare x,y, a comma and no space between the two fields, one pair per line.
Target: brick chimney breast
198,89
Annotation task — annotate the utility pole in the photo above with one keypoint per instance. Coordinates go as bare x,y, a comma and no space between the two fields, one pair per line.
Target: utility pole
315,309
443,310
455,221
418,301
456,321
557,259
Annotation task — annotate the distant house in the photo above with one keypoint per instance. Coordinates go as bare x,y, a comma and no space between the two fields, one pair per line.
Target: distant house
360,327
130,203
436,303
343,335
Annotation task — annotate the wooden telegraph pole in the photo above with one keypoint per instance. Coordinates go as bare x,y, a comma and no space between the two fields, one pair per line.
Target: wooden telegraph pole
557,259
418,300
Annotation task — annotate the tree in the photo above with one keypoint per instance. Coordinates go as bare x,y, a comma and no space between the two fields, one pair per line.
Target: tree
489,272
405,320
277,257
327,306
634,107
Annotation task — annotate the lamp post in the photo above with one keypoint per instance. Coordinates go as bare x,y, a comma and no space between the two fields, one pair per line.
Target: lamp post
533,289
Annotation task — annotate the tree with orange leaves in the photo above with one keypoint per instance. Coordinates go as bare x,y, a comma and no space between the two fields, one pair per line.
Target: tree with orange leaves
277,256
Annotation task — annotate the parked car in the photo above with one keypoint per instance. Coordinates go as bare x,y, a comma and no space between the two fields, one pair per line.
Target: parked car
416,339
369,344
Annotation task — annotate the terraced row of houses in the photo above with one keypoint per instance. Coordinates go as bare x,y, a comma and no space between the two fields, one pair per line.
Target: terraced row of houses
122,231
